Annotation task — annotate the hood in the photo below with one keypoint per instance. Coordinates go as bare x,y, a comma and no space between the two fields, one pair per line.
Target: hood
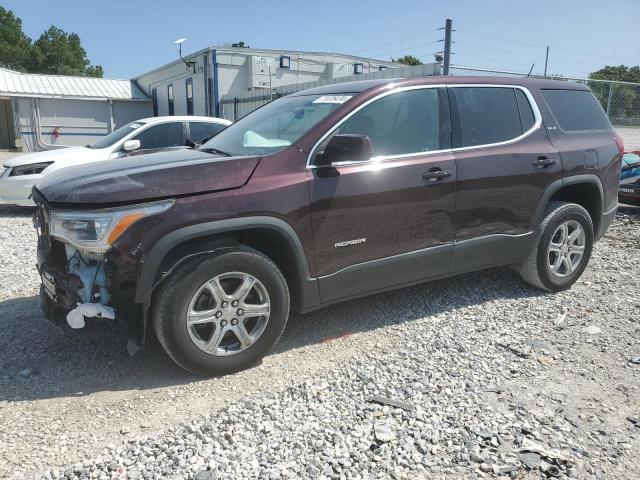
140,178
68,153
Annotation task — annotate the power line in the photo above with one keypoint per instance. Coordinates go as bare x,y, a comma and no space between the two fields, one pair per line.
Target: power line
397,41
484,47
498,69
405,49
500,39
539,45
492,59
512,52
590,54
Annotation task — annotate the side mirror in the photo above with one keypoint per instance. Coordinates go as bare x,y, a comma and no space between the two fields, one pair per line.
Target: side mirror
346,147
131,145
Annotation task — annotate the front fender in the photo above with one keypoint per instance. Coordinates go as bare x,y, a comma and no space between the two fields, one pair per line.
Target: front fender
153,261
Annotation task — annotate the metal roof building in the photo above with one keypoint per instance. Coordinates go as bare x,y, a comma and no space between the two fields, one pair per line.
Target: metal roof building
48,111
36,85
197,84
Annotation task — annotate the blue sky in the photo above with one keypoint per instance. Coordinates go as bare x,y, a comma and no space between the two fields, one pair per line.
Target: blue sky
130,37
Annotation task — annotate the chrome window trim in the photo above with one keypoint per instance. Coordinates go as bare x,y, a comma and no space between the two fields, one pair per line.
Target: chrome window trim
534,106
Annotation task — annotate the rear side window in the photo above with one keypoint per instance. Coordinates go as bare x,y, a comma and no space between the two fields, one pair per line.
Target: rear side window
527,119
487,115
576,110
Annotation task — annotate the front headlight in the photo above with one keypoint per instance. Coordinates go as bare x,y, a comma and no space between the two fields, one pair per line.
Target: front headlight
29,169
93,231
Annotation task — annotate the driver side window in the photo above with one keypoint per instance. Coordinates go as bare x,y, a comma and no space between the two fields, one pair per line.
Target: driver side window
161,136
401,123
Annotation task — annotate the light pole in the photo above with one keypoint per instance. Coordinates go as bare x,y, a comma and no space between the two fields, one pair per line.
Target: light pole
179,42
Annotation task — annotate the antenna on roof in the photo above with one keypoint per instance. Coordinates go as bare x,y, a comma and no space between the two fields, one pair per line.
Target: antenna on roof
188,64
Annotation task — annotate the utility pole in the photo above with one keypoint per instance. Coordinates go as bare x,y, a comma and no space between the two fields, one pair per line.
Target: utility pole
447,47
546,61
531,69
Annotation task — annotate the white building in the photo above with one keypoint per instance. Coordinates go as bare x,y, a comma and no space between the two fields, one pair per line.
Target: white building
195,86
39,112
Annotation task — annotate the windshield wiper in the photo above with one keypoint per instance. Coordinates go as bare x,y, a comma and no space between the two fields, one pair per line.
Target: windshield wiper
214,151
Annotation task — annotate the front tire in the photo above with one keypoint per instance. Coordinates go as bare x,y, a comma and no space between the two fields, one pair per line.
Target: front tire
222,314
562,248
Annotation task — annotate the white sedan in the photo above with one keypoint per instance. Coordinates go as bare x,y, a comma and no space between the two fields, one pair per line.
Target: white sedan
21,173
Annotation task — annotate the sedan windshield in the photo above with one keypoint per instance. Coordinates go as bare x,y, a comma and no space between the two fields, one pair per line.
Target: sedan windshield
116,135
275,126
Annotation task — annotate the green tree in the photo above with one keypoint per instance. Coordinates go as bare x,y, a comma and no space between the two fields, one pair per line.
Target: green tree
239,45
15,46
61,53
407,60
622,102
620,73
55,52
94,71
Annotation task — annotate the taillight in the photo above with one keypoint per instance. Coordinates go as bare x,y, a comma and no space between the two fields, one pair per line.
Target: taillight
620,143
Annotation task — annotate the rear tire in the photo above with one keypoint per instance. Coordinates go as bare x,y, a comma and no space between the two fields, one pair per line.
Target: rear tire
207,330
562,248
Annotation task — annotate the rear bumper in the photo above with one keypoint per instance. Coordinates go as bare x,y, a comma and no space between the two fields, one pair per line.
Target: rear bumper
629,193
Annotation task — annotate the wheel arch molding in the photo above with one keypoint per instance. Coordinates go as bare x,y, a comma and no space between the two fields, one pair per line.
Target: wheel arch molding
585,190
226,233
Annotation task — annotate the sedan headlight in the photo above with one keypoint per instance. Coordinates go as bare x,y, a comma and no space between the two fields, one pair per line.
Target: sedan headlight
93,231
29,169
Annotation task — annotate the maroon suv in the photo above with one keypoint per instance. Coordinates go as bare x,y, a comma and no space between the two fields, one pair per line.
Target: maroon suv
326,195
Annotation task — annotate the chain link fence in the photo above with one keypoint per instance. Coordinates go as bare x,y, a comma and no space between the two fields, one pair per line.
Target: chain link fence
621,100
235,106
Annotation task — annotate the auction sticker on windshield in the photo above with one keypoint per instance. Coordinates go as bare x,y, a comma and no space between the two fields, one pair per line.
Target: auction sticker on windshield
332,99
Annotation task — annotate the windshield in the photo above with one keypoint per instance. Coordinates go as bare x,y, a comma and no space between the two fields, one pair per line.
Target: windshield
275,126
116,135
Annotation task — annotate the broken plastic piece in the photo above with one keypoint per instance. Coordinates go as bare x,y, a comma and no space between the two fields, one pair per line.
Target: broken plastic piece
533,447
75,318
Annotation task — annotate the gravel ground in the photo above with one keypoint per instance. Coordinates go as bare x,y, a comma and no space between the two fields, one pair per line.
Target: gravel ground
495,379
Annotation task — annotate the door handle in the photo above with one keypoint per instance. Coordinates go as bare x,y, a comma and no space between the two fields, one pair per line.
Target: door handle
543,162
436,175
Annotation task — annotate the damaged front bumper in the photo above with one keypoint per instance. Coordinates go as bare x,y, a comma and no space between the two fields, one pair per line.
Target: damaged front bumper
61,300
77,291
84,264
70,296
